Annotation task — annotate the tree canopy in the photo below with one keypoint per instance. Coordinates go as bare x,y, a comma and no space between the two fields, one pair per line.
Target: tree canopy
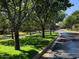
72,20
40,11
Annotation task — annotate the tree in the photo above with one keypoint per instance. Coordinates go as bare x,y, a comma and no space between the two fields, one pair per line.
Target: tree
71,20
55,18
3,26
45,7
76,15
17,11
29,26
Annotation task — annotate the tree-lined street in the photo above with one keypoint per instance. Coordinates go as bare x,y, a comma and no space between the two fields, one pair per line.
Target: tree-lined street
30,26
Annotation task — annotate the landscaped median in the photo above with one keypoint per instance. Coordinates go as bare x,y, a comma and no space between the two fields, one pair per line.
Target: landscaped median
30,46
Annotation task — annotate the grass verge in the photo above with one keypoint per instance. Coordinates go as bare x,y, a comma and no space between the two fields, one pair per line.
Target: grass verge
30,46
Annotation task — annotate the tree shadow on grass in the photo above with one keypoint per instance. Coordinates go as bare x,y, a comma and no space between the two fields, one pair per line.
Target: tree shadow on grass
7,42
38,43
31,53
33,40
24,55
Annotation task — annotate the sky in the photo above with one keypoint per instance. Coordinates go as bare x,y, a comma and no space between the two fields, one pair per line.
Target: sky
70,10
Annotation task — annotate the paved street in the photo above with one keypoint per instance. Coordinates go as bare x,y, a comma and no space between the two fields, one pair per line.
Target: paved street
65,47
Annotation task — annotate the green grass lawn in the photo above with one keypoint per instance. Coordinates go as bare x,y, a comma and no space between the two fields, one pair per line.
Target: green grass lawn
30,46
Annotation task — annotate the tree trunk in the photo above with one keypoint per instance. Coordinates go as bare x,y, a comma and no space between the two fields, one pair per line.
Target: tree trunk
30,33
17,44
50,32
12,35
2,32
43,32
12,30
